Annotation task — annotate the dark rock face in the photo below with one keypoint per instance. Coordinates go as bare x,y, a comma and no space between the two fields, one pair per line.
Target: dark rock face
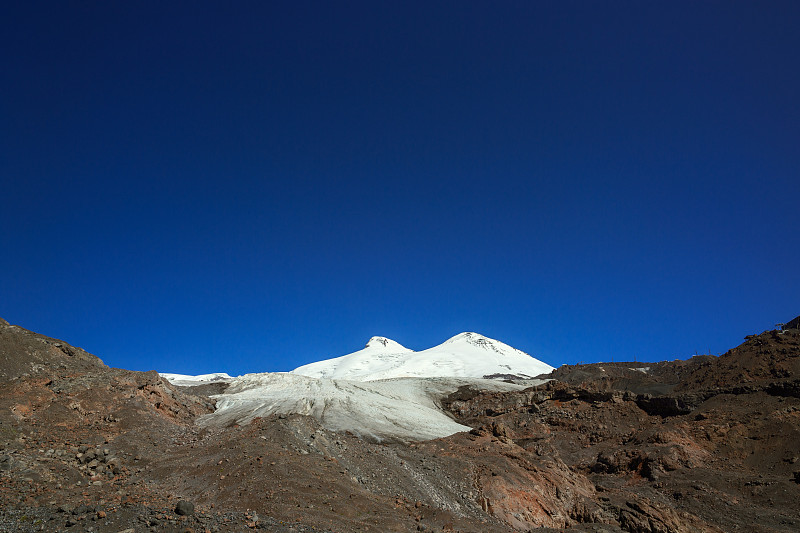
708,444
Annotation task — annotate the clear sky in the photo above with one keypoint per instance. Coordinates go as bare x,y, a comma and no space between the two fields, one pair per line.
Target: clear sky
250,186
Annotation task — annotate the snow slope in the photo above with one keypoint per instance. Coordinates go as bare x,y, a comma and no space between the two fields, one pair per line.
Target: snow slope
405,409
183,380
465,355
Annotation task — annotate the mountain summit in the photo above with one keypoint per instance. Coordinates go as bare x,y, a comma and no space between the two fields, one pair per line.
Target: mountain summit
467,354
384,344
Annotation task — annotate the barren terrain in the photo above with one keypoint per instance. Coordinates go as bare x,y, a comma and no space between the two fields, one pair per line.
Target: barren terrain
707,444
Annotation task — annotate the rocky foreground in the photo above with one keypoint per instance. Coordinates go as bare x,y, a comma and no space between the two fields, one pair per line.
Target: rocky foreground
708,444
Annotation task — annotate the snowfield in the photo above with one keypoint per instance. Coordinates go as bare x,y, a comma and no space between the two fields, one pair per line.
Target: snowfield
183,380
383,392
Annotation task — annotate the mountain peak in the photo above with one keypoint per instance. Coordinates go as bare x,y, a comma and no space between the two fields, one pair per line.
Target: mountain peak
467,336
385,344
475,339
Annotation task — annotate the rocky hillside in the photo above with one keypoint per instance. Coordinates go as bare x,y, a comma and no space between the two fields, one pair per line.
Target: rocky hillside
24,353
708,444
700,445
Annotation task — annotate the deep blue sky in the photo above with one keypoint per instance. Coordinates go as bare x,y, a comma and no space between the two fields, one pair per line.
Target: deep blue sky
197,187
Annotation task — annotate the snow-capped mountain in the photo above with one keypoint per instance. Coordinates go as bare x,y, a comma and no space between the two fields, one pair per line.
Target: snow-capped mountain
383,391
465,355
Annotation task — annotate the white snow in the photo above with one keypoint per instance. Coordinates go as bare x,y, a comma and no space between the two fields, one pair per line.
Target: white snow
405,409
184,380
465,355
